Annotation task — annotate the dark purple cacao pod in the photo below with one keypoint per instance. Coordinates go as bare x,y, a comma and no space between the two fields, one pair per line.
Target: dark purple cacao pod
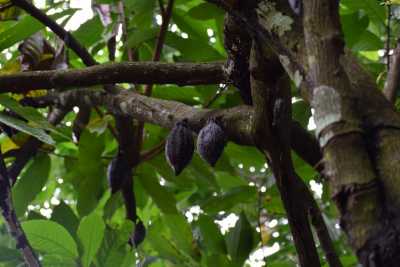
179,147
117,172
138,235
211,142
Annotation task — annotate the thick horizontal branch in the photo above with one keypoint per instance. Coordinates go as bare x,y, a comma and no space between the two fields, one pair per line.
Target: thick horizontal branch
236,121
127,72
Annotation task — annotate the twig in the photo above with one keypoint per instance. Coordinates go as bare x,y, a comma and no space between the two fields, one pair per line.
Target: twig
14,226
162,9
160,41
393,77
153,152
322,232
124,23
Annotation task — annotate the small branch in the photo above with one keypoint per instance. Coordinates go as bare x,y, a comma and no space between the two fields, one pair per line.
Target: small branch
127,72
322,232
67,37
166,113
388,32
393,78
162,9
160,40
11,219
153,152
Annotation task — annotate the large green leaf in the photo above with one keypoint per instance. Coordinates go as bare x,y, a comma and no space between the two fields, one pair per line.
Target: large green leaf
240,240
180,231
90,172
64,215
10,255
90,233
226,201
205,11
49,237
32,115
149,181
31,183
373,8
211,235
22,126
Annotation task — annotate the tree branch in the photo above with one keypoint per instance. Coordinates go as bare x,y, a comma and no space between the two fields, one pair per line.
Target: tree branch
166,113
11,219
127,72
271,128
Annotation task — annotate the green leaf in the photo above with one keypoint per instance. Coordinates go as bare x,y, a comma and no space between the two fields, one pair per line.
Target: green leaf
90,32
31,183
9,255
240,240
220,260
49,237
24,127
180,231
164,200
90,233
31,114
368,42
90,172
139,36
64,215
186,47
205,11
58,261
211,235
226,201
353,26
373,9
301,112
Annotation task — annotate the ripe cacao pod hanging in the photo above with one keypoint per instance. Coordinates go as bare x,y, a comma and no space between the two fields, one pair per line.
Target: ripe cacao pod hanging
211,142
179,147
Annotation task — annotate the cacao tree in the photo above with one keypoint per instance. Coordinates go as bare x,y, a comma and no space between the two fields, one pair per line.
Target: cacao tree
199,133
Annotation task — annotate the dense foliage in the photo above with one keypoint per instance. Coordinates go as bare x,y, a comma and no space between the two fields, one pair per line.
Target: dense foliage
227,215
